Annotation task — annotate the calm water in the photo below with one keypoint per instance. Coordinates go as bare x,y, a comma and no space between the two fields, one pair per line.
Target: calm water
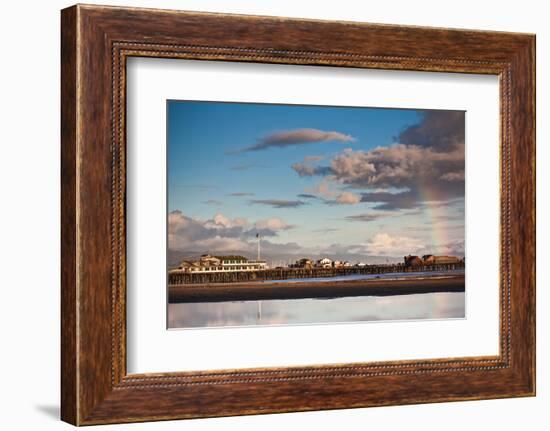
308,311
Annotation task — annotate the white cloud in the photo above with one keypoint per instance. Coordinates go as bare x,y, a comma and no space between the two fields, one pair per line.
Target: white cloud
274,224
219,233
219,221
453,176
297,137
348,198
395,166
386,244
324,191
427,160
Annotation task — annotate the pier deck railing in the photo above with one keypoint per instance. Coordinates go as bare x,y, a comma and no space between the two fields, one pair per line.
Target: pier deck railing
178,278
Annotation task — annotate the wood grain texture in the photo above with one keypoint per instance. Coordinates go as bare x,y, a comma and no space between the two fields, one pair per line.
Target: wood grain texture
69,397
96,41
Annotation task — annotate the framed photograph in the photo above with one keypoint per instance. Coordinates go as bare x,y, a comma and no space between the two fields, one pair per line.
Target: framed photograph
323,214
259,234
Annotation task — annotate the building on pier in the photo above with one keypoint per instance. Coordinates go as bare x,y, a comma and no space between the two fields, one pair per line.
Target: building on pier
430,259
325,262
413,260
303,263
224,263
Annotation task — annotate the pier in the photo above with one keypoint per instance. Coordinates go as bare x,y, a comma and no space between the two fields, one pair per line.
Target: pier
204,278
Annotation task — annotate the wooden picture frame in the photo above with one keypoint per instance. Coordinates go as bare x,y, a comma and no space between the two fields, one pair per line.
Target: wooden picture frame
95,43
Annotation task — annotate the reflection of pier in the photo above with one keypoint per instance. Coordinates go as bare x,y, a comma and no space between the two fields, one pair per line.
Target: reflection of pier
179,278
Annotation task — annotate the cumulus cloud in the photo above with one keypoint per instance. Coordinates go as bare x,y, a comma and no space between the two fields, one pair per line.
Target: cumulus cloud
219,221
347,198
426,165
385,244
296,137
222,234
219,233
278,203
451,248
214,234
453,176
438,129
454,248
330,196
274,224
306,170
397,166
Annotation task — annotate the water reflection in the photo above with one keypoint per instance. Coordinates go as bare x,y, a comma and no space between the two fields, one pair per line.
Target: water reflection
307,311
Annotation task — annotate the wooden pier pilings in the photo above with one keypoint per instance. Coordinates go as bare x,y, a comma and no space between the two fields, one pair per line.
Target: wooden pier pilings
179,278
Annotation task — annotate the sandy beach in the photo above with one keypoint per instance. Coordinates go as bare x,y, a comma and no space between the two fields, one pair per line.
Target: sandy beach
324,289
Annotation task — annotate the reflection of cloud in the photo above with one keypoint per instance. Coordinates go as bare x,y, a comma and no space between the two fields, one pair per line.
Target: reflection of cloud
300,311
296,137
278,203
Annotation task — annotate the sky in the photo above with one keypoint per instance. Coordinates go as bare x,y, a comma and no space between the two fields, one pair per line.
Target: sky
345,182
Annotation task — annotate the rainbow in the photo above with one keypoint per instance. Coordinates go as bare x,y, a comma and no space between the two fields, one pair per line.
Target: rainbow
435,212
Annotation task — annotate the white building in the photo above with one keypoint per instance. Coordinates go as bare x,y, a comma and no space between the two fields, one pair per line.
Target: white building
232,263
324,263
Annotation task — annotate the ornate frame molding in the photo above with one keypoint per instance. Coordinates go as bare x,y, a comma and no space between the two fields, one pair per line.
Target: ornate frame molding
96,41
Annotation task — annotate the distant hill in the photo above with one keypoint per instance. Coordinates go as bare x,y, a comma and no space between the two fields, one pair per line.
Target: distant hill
175,257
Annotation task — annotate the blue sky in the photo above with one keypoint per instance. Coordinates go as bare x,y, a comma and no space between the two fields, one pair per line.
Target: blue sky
300,174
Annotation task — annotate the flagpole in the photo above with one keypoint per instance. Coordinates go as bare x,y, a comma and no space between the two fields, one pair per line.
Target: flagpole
260,301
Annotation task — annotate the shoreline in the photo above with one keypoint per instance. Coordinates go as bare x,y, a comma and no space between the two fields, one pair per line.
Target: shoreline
303,290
